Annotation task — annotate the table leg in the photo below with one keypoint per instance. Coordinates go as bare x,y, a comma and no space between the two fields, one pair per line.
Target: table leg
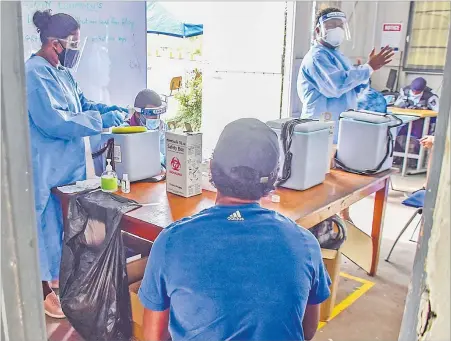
406,149
426,125
378,224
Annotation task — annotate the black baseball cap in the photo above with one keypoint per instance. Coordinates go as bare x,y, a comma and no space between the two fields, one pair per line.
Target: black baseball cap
248,142
147,99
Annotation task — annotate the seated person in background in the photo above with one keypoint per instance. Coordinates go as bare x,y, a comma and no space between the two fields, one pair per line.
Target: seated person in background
371,100
417,96
236,270
148,109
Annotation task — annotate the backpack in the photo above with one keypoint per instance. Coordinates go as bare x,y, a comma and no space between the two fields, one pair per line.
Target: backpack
325,234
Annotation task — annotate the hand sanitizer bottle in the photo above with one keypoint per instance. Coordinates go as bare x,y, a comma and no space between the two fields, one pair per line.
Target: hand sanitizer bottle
108,180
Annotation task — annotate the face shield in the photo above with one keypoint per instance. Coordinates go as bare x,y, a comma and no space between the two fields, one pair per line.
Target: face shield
333,28
147,110
72,51
150,117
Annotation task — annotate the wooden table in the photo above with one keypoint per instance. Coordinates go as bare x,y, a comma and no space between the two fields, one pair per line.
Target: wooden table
308,208
414,114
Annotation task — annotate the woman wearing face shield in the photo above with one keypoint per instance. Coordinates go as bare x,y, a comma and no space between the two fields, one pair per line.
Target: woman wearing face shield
59,117
328,82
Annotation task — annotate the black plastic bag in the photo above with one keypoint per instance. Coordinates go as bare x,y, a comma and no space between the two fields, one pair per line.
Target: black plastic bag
93,279
325,234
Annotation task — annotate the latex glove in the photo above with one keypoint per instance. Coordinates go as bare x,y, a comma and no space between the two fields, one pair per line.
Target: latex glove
115,107
112,119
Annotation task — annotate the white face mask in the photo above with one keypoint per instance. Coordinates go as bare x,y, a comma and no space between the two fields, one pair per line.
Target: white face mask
334,36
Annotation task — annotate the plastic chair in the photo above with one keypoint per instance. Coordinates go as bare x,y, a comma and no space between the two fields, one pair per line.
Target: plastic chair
416,200
175,85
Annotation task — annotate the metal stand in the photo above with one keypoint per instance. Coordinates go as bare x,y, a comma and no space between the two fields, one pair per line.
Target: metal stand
418,211
413,233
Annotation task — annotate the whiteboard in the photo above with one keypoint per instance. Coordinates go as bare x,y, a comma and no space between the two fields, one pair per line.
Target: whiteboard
113,66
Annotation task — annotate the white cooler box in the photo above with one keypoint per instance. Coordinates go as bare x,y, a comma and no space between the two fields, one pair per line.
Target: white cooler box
137,154
310,147
366,141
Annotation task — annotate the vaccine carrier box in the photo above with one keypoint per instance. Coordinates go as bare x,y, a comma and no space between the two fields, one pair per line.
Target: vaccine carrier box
310,147
135,154
184,163
366,141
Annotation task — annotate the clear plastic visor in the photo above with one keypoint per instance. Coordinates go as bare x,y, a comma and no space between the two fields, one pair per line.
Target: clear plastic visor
73,51
331,21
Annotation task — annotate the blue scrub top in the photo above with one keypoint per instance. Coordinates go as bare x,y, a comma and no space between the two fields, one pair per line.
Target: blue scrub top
59,118
328,82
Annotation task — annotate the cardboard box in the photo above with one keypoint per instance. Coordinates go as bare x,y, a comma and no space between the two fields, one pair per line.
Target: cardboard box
183,163
137,311
332,261
135,273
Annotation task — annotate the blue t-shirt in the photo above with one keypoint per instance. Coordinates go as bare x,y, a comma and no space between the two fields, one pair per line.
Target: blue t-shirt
235,273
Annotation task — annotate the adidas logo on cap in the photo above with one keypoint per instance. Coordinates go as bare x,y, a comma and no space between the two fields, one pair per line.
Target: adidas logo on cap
236,216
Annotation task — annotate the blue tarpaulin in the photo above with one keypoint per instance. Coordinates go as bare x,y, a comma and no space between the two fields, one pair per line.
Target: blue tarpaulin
161,21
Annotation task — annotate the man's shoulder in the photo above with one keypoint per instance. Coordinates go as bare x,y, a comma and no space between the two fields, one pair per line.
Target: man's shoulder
317,55
290,226
310,56
196,219
242,214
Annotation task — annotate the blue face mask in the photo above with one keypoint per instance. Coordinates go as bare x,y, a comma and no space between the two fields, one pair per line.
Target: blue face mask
153,124
150,123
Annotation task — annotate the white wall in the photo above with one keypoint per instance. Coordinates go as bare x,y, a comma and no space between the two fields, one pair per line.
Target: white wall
366,28
242,47
299,43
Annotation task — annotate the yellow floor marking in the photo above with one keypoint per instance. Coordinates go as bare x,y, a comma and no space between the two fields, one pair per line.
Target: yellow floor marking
366,285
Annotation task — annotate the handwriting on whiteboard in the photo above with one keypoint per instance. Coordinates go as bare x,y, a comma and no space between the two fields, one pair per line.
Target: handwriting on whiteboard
134,64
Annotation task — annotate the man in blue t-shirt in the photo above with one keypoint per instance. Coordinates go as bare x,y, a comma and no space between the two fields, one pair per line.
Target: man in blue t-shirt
236,271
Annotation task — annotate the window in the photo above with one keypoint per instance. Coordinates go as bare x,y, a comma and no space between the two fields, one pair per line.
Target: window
427,36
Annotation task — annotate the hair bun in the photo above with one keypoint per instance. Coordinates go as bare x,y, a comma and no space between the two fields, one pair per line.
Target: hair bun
41,19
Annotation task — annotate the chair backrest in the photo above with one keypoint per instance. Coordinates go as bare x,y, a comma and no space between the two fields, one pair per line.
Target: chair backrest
176,83
391,80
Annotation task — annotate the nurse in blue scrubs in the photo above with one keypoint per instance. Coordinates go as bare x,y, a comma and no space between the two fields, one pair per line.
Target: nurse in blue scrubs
60,117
